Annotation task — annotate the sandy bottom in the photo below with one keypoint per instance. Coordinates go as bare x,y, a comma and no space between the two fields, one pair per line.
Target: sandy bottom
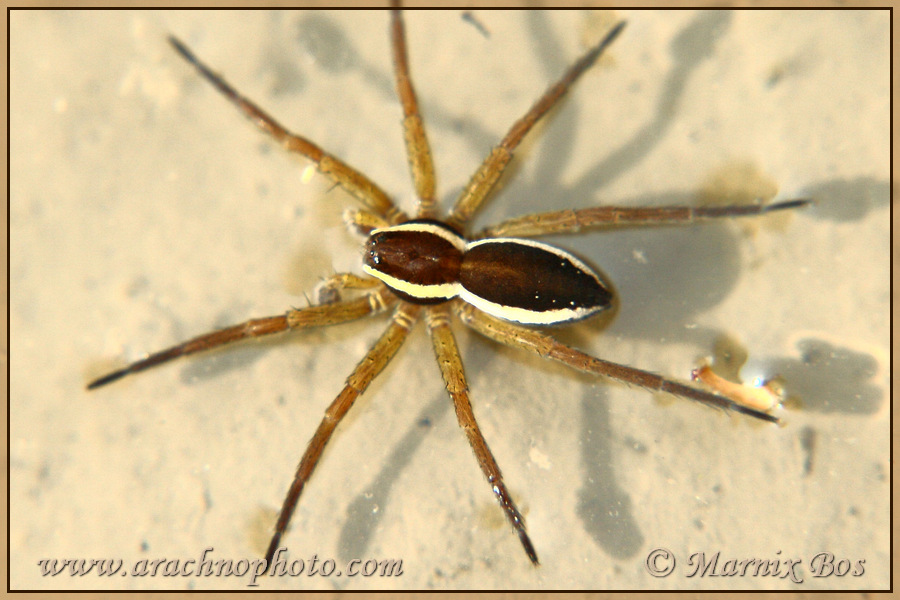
145,210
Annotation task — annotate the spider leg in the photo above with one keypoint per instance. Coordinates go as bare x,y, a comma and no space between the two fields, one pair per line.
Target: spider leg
448,359
417,149
368,368
571,221
362,221
492,168
302,318
329,290
360,186
521,337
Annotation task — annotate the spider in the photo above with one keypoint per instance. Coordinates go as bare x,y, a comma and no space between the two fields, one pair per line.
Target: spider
496,281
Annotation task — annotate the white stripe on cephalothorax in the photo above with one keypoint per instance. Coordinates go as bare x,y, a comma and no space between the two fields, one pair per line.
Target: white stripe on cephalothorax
416,290
442,232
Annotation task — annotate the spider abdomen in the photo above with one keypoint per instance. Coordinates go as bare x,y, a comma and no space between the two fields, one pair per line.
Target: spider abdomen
530,282
426,262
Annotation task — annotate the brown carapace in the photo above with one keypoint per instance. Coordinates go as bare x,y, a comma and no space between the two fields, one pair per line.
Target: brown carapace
495,282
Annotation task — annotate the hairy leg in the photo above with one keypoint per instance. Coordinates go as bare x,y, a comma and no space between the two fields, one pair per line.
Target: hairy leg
368,368
302,318
360,186
521,337
492,168
455,379
571,221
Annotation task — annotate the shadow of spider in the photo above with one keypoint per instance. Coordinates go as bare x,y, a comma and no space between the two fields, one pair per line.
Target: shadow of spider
497,281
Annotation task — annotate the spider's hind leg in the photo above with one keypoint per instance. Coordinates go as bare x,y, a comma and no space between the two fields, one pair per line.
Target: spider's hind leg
572,221
517,336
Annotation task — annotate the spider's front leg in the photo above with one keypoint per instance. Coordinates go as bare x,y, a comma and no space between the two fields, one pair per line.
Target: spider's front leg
362,188
447,354
417,147
374,301
521,337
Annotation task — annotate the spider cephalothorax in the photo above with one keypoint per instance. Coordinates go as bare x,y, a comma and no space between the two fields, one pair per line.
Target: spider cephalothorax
497,284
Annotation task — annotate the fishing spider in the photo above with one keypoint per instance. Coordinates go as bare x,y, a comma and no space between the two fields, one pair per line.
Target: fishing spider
494,281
